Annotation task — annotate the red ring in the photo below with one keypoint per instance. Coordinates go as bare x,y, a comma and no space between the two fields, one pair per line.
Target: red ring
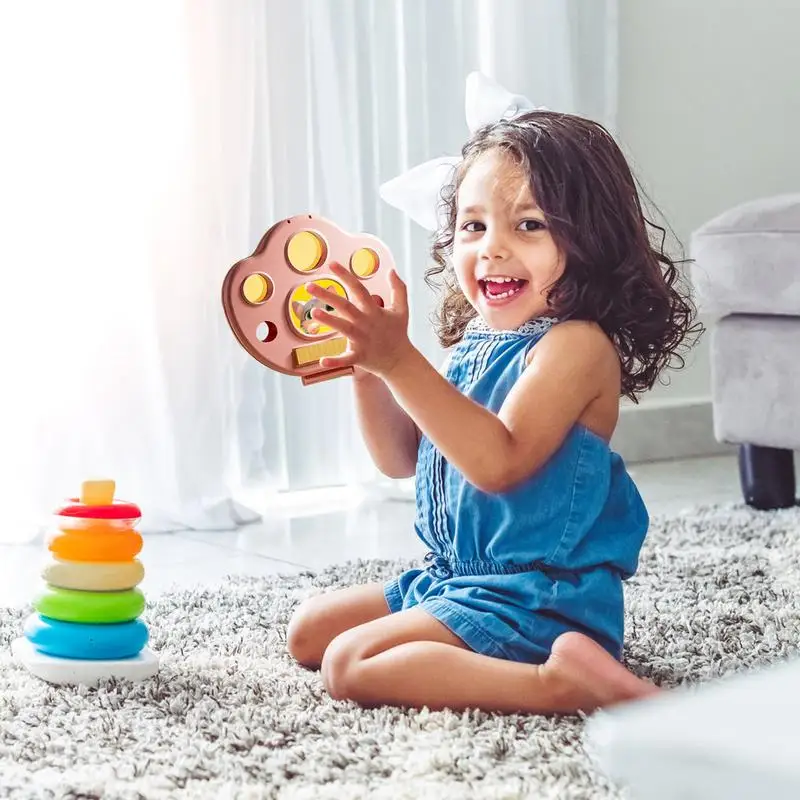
119,510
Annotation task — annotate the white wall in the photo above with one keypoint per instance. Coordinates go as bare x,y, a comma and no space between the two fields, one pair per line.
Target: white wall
709,114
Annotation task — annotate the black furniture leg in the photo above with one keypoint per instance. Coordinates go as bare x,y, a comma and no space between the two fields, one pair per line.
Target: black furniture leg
767,476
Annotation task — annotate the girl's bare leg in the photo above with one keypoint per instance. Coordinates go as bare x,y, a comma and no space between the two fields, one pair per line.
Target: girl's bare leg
320,619
411,659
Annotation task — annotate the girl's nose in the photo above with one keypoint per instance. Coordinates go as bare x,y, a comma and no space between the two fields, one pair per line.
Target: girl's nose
493,245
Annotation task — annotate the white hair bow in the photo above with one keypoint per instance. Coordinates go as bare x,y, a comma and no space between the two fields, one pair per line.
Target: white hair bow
417,192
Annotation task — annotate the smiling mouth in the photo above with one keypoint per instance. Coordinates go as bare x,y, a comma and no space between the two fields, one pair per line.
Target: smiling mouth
498,289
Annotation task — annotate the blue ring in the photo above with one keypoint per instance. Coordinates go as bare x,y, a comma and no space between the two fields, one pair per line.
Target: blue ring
86,641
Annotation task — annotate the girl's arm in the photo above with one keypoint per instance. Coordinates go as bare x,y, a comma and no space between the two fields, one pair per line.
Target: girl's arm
391,436
573,364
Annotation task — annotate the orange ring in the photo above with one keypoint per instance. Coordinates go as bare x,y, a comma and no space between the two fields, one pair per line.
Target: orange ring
84,546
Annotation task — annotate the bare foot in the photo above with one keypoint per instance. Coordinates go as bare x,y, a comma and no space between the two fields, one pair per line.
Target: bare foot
584,677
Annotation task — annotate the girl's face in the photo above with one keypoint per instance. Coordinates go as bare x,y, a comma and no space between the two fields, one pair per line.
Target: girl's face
504,256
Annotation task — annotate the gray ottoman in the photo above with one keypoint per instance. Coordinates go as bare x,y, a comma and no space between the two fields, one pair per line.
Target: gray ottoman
747,274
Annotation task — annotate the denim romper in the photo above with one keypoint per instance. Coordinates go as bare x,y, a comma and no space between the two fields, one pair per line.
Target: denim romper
508,573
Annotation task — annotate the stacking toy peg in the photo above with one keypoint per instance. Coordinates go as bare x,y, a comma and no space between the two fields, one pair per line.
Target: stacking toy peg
98,493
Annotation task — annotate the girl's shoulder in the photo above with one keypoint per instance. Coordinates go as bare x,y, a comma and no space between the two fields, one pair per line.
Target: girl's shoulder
579,356
576,338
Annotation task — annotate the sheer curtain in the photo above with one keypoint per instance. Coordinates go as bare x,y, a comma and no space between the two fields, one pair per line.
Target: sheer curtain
147,147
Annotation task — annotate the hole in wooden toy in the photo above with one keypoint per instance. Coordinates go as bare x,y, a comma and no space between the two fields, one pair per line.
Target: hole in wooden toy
266,331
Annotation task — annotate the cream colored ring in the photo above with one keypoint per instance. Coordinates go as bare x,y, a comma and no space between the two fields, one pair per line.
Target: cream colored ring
94,576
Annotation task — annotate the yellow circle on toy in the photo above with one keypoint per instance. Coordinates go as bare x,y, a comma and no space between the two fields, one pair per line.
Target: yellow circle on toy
304,251
364,262
255,288
301,304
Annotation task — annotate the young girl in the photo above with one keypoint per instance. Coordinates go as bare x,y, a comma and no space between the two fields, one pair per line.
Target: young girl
555,304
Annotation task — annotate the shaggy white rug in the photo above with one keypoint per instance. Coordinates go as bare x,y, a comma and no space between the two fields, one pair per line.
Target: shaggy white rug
231,716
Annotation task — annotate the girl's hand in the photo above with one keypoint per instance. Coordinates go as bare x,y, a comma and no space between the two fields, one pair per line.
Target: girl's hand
377,337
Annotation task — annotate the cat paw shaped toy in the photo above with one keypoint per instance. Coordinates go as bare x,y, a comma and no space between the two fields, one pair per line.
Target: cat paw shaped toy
269,308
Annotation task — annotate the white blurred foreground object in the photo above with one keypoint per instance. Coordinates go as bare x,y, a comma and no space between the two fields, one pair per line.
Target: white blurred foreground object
734,739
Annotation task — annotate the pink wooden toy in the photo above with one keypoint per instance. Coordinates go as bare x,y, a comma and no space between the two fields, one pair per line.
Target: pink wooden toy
269,309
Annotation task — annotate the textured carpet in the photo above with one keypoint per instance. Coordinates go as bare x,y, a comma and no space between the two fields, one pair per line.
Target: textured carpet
230,714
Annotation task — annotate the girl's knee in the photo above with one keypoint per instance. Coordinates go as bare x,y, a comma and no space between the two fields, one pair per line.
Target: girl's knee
302,634
339,667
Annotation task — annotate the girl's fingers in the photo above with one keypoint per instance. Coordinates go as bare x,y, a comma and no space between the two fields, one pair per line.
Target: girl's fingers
399,292
341,304
334,362
355,288
336,322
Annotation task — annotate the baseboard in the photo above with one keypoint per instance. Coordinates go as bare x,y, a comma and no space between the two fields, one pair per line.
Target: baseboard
663,430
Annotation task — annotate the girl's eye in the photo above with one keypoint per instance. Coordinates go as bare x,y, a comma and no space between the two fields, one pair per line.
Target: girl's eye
472,226
307,316
532,225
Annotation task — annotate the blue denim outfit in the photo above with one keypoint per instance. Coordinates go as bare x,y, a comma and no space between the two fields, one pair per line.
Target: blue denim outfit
508,573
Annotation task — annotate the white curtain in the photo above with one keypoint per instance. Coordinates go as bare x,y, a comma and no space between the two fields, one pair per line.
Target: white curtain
147,147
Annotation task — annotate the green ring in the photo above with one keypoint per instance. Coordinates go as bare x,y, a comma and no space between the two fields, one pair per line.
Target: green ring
71,605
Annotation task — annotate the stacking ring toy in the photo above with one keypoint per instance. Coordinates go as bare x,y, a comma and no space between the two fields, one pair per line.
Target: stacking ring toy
68,605
269,309
98,576
86,626
81,641
75,545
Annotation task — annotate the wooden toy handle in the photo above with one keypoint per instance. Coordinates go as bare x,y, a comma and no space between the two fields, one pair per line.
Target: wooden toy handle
326,376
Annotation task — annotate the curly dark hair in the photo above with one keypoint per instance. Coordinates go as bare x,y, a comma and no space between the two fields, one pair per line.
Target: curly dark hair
615,274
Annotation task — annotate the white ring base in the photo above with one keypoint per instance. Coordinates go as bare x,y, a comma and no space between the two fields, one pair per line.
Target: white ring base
72,671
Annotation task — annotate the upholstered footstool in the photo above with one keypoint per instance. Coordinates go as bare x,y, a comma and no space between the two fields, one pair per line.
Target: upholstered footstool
746,273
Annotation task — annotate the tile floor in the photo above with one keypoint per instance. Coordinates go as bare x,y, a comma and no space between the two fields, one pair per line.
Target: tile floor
289,543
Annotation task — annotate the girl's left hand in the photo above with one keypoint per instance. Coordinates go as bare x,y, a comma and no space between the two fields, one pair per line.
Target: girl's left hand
377,337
